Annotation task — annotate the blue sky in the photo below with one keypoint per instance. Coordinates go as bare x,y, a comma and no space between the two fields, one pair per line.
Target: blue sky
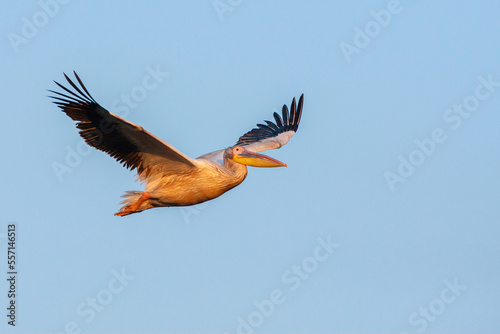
385,221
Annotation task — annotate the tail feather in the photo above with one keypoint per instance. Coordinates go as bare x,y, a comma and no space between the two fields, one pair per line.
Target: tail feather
131,196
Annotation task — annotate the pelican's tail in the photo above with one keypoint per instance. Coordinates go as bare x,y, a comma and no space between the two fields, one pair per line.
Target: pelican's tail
135,201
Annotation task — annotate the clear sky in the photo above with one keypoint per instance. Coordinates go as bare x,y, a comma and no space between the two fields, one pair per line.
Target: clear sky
386,220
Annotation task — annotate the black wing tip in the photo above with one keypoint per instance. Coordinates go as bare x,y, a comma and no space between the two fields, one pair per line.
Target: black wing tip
79,94
298,113
66,76
301,101
289,122
295,113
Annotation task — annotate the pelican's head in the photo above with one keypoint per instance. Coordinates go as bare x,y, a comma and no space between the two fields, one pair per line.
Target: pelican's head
245,157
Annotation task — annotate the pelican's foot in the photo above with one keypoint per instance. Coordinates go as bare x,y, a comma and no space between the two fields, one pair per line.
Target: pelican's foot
125,211
132,208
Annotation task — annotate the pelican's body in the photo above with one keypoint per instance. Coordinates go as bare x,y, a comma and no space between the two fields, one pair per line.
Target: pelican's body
207,181
170,177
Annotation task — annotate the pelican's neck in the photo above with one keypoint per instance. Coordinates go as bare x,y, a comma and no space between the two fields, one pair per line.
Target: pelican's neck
236,172
236,168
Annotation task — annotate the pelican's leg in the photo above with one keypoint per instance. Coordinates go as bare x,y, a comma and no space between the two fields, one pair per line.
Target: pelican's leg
133,207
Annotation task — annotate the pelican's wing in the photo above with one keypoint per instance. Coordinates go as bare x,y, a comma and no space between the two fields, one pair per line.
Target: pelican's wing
127,142
274,135
215,156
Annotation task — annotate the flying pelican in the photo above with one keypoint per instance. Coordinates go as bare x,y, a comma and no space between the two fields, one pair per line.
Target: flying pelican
172,178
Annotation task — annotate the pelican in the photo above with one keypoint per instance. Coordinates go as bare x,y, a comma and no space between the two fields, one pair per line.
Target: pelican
171,178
